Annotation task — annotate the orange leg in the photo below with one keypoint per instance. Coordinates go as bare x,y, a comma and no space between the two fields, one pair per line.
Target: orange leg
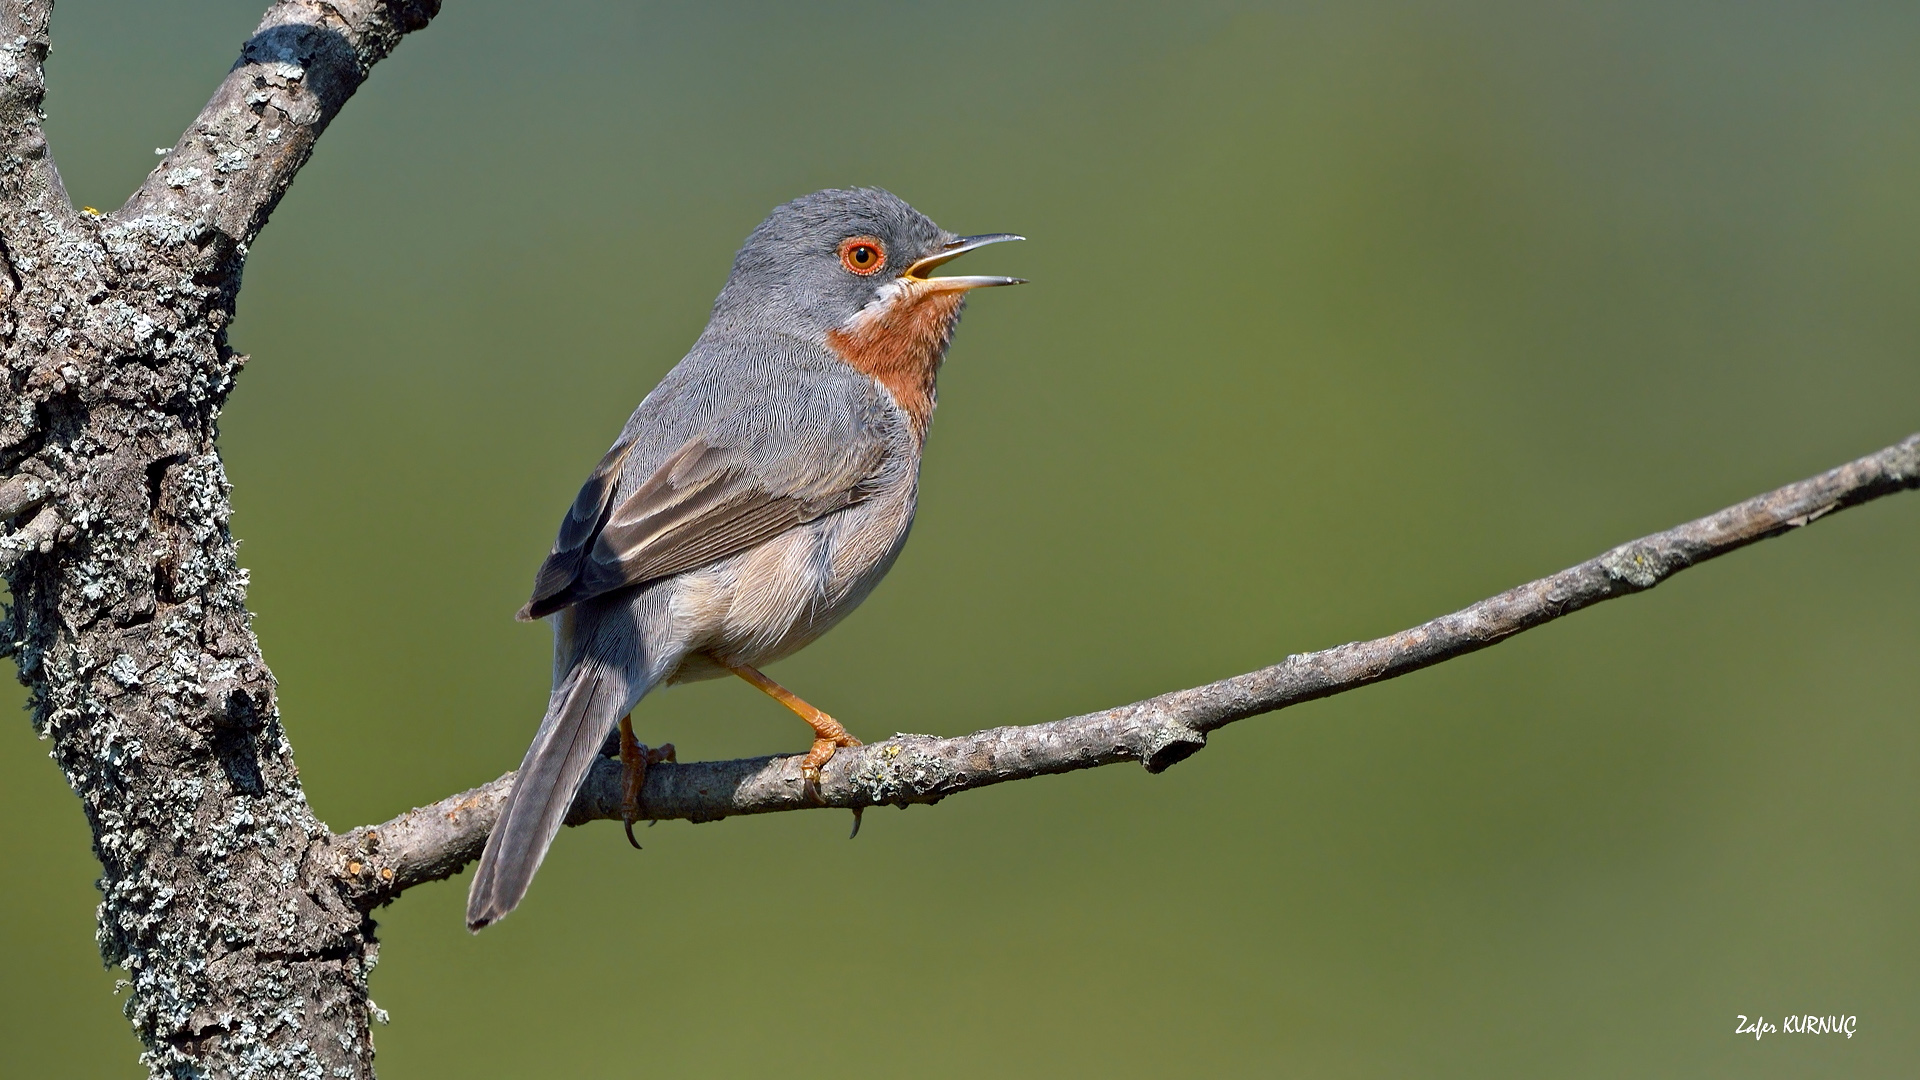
635,757
828,735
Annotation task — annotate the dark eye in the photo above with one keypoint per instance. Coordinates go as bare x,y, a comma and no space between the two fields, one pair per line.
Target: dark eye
862,255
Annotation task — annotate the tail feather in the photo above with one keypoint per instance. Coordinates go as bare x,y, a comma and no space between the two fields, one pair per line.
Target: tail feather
570,737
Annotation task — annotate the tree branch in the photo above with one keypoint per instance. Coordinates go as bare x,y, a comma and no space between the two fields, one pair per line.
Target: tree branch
22,493
231,166
37,533
27,174
434,842
128,622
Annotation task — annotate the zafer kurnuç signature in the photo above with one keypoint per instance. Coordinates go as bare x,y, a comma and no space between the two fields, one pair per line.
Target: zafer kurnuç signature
1807,1024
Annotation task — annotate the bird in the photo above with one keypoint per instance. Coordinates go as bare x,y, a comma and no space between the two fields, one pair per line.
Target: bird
755,497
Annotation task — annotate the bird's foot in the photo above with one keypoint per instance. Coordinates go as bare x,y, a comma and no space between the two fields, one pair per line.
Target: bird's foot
829,737
635,756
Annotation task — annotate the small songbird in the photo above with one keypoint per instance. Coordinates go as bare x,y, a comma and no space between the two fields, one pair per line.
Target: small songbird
755,497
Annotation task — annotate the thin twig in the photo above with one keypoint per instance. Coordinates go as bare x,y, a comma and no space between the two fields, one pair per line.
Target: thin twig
434,842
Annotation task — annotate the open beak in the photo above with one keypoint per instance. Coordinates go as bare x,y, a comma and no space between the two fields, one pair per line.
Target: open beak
917,273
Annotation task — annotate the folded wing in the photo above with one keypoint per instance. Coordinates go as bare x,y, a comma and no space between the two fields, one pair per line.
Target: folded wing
700,505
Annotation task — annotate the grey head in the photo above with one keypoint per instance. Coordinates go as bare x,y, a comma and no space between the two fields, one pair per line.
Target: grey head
819,260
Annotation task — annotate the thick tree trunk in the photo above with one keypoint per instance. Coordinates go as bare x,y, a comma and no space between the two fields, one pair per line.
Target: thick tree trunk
129,619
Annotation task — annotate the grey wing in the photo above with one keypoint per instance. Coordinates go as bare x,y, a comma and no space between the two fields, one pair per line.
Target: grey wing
578,531
702,504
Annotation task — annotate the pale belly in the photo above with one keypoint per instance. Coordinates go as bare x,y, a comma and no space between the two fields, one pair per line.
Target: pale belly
767,603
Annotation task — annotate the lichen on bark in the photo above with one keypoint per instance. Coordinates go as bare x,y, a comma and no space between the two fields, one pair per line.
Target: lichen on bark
244,955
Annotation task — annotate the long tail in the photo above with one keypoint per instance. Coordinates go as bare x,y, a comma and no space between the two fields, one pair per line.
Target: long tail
570,737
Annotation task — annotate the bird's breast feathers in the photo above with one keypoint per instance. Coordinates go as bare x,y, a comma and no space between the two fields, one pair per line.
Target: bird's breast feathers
900,340
769,601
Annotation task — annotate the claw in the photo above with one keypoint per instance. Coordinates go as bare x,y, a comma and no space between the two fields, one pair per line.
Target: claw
816,758
856,822
633,761
634,758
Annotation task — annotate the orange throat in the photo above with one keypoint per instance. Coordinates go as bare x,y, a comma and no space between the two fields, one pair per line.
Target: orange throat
900,341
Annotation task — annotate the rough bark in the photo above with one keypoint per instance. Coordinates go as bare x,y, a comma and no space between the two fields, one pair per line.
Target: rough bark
129,624
434,842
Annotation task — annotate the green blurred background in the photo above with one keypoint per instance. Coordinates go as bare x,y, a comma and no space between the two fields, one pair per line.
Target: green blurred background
1343,315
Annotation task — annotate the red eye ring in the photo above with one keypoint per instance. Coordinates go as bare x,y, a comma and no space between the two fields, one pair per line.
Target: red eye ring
863,255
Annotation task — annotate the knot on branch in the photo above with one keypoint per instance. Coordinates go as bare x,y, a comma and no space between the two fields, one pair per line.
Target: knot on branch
1636,564
359,866
1168,744
38,536
23,493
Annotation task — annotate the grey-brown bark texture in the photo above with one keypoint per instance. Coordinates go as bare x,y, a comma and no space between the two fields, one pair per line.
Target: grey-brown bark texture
129,622
242,921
